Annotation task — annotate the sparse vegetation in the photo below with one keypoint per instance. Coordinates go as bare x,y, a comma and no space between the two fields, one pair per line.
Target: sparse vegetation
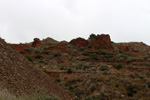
91,73
29,58
118,66
39,94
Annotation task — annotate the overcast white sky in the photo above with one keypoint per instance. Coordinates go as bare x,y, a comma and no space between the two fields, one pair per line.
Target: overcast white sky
124,20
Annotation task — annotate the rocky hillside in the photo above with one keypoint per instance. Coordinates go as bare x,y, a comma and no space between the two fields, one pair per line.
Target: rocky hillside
94,68
20,77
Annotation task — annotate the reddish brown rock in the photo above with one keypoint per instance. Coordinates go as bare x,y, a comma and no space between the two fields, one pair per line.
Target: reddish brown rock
79,42
102,41
133,47
36,42
123,48
20,47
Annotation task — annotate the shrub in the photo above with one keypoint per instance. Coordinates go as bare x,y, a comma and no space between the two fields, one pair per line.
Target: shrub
81,49
46,52
69,71
38,56
104,68
132,89
57,54
92,36
148,84
37,51
107,56
118,66
21,51
94,56
88,53
41,61
57,80
89,46
28,50
29,58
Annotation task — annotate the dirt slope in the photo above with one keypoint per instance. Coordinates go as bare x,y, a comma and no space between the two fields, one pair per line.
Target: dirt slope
20,77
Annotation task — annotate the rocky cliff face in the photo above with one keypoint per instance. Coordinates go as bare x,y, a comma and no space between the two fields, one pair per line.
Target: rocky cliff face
102,42
36,42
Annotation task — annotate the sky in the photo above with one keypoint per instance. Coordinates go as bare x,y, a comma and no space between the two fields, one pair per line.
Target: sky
123,20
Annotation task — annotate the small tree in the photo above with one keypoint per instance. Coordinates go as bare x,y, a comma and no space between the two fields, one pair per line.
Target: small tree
92,36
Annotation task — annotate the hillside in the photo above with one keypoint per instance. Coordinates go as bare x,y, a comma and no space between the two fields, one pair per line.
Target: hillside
20,77
94,69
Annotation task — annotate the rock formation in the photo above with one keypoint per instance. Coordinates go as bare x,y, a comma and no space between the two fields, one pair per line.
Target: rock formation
36,42
79,42
102,42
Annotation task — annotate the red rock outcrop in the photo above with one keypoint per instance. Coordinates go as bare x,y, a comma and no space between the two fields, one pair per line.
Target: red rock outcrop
36,42
79,42
102,41
123,48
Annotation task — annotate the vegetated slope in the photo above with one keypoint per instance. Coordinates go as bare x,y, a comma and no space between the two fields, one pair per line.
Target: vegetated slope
100,68
20,77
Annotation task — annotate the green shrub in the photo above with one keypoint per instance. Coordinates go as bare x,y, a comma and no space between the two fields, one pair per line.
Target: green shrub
57,80
92,36
107,56
104,68
94,56
89,46
38,56
28,50
69,71
29,58
37,51
118,66
132,89
88,53
46,52
51,46
41,61
57,54
21,51
81,49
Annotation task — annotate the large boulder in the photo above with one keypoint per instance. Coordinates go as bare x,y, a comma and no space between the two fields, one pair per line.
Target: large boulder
79,42
36,42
